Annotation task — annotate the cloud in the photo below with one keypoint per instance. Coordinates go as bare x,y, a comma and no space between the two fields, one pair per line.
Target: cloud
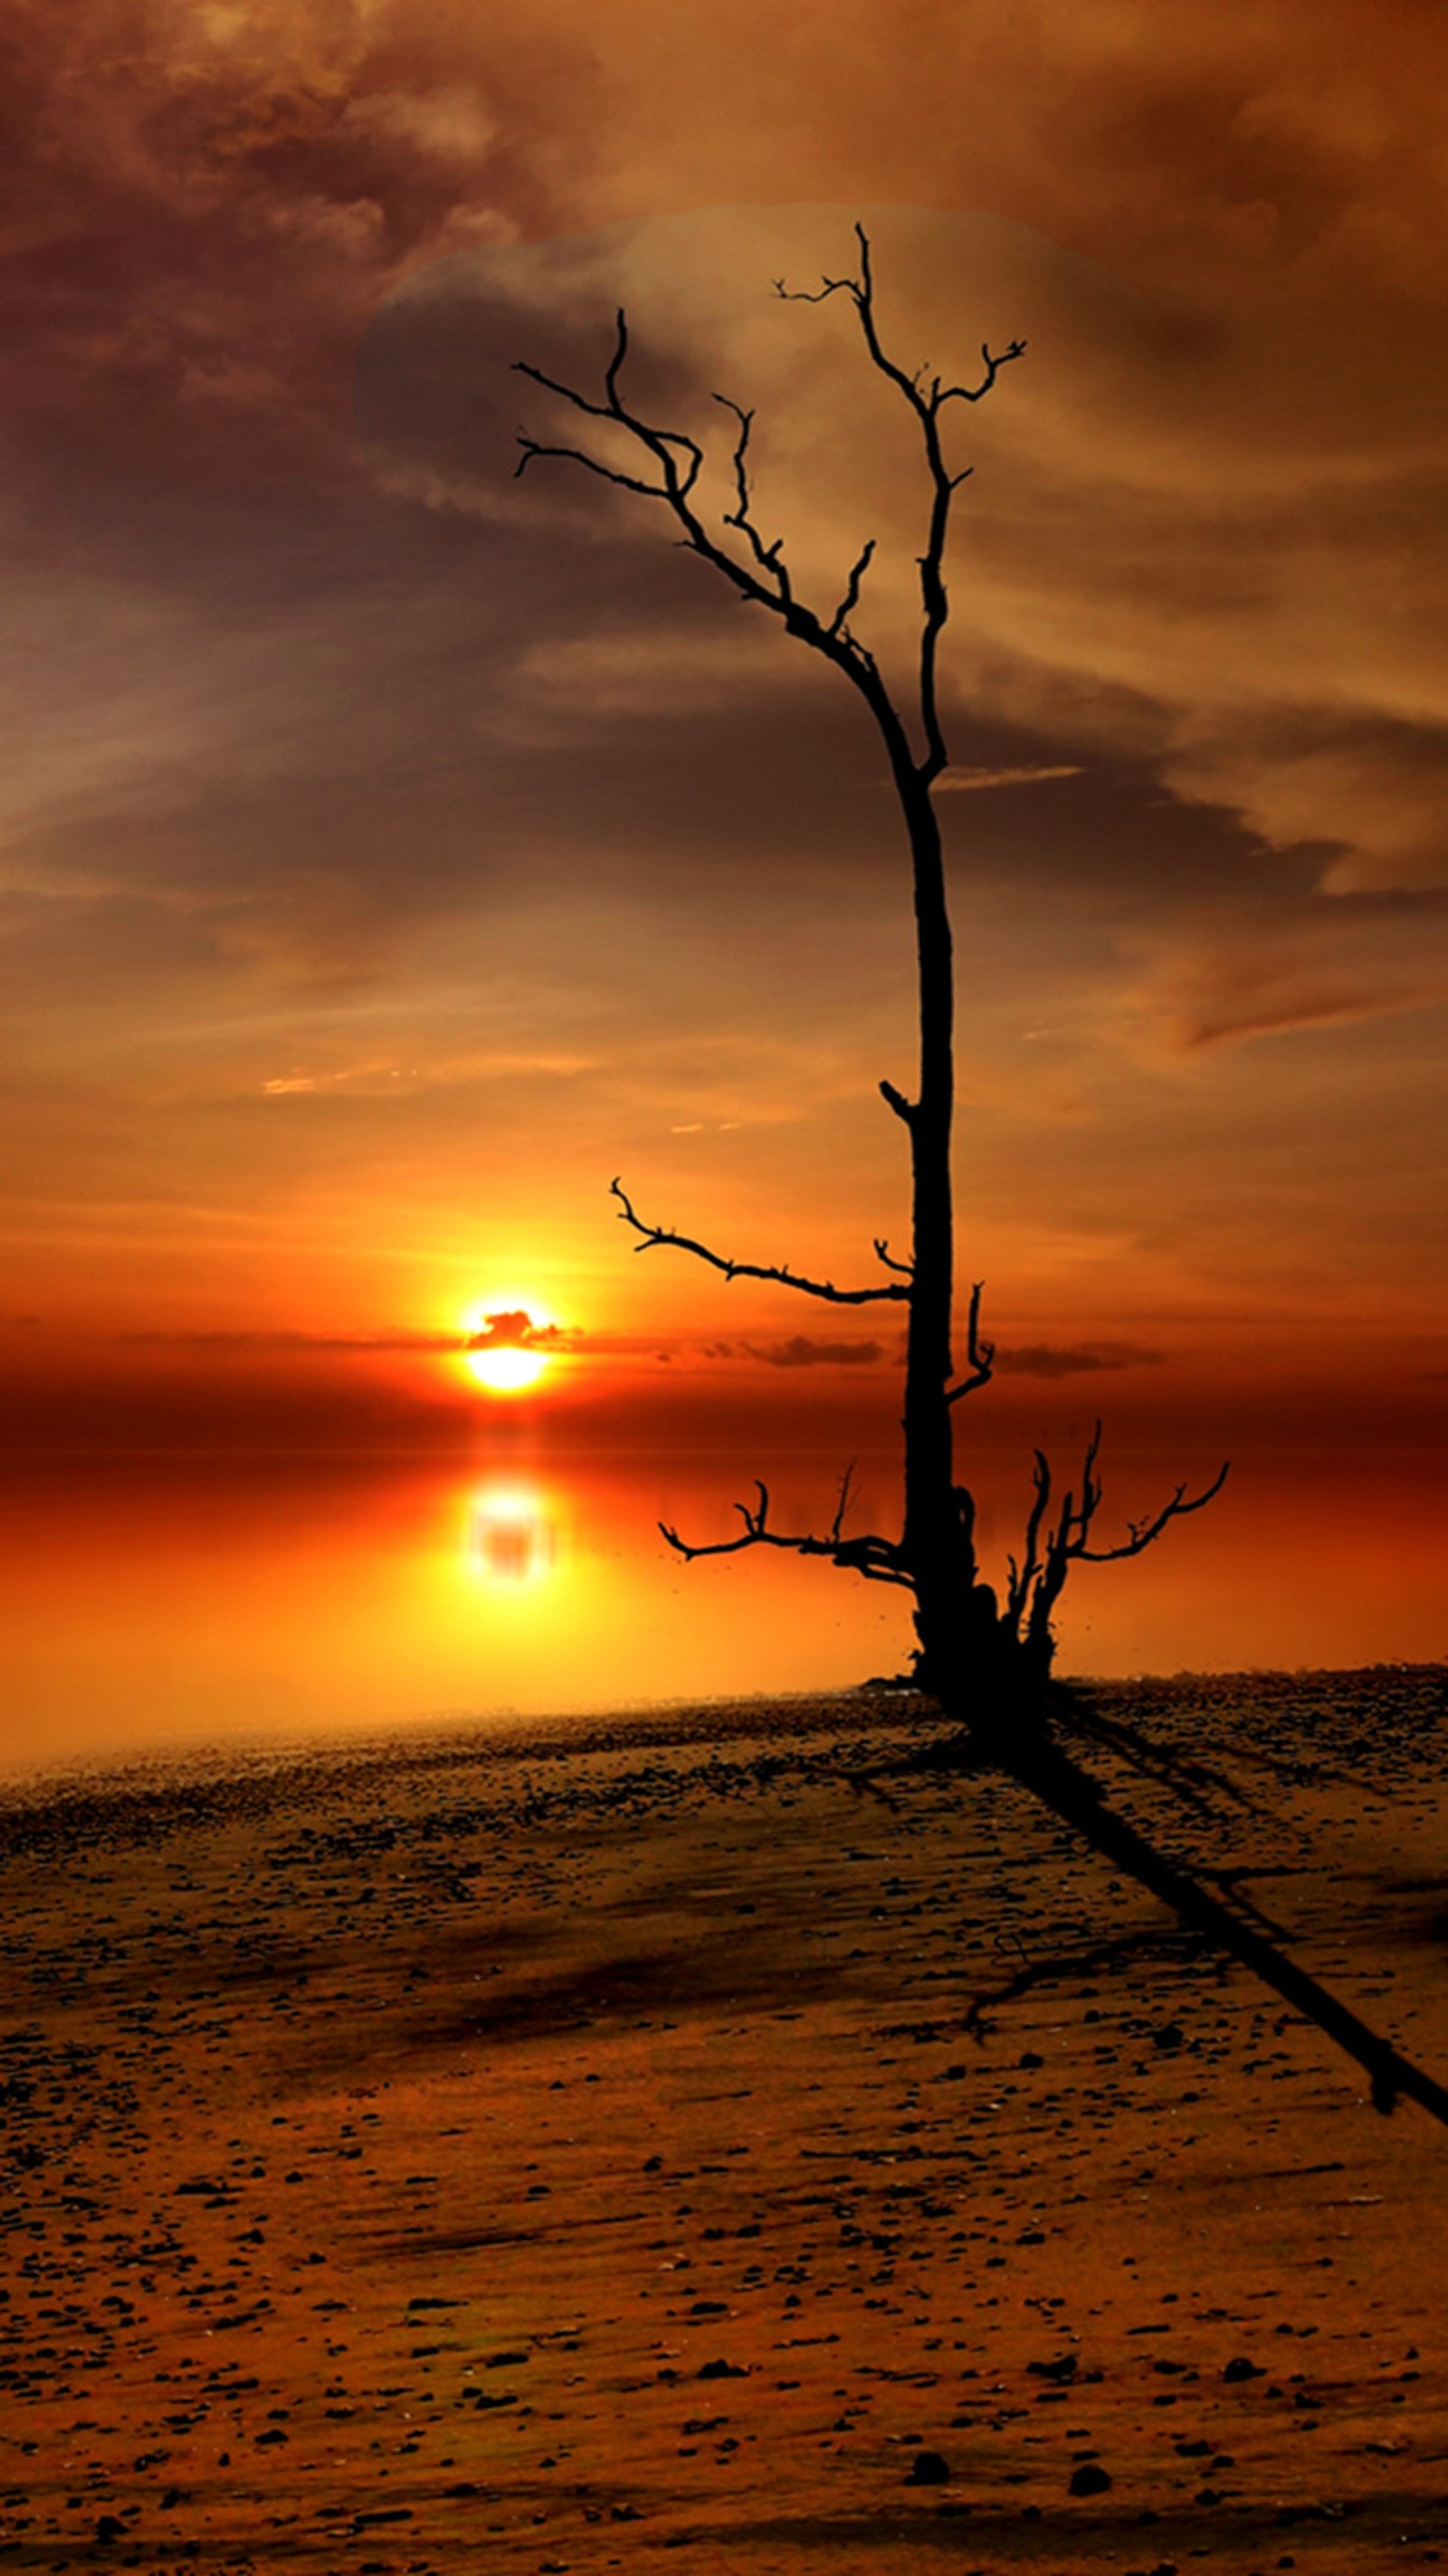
210,202
1175,548
1370,796
594,680
1263,1005
801,1352
965,781
380,1079
268,690
511,1331
1084,1359
1264,970
283,1342
515,1331
315,711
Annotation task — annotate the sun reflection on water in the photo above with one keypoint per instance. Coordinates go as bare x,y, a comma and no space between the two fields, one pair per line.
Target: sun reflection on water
512,1537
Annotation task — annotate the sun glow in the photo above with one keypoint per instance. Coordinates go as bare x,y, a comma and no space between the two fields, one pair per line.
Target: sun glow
504,1369
509,1346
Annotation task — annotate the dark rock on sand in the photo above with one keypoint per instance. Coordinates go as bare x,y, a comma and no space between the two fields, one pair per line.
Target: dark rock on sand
928,2469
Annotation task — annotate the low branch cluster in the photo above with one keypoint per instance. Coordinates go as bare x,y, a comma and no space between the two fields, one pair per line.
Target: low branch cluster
1052,1547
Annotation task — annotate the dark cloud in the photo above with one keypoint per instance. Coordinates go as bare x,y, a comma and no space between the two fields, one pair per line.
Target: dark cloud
515,1331
1086,1359
205,206
801,1352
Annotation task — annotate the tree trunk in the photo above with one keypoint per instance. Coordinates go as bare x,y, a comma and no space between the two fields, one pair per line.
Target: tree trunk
956,1617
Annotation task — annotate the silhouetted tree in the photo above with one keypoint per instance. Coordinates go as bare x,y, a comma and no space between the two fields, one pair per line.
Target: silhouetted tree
984,1657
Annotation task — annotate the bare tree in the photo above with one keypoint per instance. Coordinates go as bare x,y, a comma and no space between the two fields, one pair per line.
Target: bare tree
984,1657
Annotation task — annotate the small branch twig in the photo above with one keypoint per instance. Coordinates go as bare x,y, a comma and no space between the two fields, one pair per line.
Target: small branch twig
838,624
979,1353
770,559
927,399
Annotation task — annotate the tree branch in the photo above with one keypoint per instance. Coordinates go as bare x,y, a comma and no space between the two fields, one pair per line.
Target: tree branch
878,1559
882,1252
770,559
658,441
927,402
654,1235
979,1354
1036,1586
977,393
1027,1573
534,447
851,600
1142,1533
763,578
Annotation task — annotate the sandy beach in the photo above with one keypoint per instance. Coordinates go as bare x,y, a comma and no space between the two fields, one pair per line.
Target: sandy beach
542,2152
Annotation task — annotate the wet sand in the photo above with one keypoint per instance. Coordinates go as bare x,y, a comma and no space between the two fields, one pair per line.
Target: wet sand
548,2152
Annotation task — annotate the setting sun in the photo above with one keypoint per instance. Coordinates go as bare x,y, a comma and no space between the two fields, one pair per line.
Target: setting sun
509,1348
505,1369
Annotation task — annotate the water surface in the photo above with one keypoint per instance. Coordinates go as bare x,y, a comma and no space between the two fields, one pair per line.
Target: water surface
152,1606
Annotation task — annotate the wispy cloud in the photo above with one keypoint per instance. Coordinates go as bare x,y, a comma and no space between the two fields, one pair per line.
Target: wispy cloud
1080,1359
280,1342
1268,969
802,1352
964,781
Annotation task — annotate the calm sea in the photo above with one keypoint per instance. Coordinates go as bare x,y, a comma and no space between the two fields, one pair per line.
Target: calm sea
150,1607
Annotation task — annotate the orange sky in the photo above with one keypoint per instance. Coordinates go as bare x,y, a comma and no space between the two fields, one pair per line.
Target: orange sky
391,853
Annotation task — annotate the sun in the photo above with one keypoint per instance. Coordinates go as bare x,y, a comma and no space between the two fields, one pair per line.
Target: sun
509,1348
504,1368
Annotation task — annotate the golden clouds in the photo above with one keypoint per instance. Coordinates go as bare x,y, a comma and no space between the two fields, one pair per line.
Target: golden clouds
1176,548
333,754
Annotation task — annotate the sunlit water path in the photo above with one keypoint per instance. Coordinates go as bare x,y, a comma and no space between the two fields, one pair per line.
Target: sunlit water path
150,1608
